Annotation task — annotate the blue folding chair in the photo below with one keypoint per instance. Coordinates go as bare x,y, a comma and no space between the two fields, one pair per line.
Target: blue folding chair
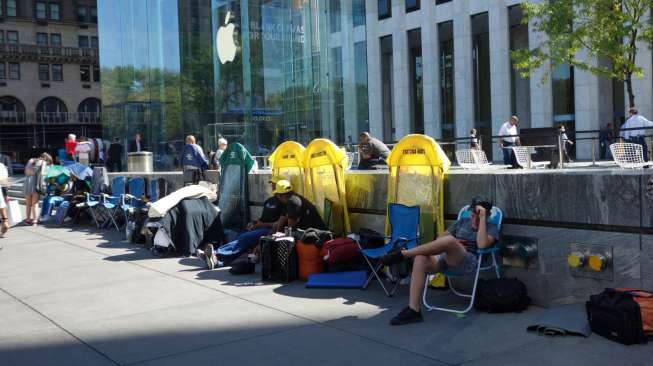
404,234
495,218
154,190
112,203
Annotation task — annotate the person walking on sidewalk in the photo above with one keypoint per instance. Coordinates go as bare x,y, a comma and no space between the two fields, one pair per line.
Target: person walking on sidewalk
3,216
35,170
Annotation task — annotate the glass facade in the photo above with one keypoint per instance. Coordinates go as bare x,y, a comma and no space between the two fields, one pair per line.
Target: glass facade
416,80
481,71
447,96
520,88
387,88
258,72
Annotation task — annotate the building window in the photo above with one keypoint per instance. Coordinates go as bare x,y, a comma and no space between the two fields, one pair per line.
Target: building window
438,2
42,39
412,5
520,88
44,72
85,73
481,71
55,40
386,88
2,36
94,42
57,72
93,14
385,9
447,96
14,71
51,109
89,110
563,94
96,73
358,12
41,10
360,73
416,80
1,9
334,15
3,72
11,8
11,110
12,37
82,13
55,11
338,95
83,41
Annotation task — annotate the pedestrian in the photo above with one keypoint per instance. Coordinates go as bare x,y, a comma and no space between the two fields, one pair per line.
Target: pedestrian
372,151
606,138
71,143
5,160
193,161
4,217
114,162
35,170
215,158
473,139
509,137
83,151
566,143
636,136
136,145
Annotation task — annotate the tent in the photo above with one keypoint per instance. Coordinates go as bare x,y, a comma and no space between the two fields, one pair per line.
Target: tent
233,198
417,167
288,160
324,182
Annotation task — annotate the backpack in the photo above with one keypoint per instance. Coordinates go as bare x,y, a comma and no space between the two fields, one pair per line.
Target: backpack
501,295
622,315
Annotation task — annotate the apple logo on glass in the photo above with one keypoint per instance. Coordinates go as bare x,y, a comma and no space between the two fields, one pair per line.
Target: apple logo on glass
225,41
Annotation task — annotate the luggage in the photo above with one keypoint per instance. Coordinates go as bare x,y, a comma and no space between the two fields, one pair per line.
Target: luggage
62,212
501,295
310,260
616,314
370,239
15,213
341,251
278,259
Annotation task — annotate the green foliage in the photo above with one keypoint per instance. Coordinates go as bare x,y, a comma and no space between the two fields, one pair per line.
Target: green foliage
580,32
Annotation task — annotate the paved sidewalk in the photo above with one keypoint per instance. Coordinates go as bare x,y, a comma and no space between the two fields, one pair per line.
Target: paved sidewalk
74,296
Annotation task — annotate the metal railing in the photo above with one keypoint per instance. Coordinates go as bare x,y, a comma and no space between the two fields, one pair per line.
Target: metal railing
31,50
49,118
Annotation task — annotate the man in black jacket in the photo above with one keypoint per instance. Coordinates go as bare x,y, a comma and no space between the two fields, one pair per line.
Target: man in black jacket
136,145
115,156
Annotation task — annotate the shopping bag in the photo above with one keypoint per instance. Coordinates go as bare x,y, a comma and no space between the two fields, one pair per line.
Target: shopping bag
15,213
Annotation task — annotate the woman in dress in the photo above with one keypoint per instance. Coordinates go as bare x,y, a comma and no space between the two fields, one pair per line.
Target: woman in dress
34,172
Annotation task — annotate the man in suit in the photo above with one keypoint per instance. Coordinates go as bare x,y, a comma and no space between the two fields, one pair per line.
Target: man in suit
136,145
114,163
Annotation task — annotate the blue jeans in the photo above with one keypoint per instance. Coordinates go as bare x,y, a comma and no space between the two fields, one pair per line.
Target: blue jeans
244,242
509,154
640,140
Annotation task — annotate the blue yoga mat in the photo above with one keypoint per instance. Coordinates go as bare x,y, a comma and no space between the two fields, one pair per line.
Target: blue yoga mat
355,279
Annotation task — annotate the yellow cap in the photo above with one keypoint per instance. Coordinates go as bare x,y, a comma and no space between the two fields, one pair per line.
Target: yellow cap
597,262
283,186
275,179
575,260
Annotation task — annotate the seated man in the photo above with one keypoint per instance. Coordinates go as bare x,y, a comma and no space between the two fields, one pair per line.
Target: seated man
371,151
452,250
272,212
299,212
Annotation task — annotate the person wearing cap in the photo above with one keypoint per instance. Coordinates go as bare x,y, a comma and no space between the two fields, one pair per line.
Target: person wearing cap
371,151
452,251
299,212
272,212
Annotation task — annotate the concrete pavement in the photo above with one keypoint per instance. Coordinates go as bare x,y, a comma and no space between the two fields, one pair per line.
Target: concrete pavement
77,296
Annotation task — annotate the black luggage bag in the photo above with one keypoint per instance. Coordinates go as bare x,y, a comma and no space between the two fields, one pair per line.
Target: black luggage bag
616,316
278,259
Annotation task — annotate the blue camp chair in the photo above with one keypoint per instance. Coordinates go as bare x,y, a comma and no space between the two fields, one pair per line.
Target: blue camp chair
404,233
113,203
154,190
488,253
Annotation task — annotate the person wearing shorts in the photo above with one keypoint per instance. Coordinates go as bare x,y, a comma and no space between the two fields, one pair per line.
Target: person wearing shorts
453,251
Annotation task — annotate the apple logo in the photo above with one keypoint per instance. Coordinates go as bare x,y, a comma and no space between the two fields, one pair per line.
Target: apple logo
225,41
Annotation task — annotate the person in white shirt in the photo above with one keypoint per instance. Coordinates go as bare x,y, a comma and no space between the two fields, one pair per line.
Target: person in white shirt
83,151
509,137
4,217
636,136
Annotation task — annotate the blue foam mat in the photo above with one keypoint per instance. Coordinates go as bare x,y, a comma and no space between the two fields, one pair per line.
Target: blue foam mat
354,279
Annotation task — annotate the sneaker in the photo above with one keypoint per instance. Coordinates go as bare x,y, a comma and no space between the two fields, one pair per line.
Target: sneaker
394,257
407,316
209,257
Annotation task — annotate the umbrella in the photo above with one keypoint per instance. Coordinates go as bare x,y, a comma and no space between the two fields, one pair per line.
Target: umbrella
80,171
58,174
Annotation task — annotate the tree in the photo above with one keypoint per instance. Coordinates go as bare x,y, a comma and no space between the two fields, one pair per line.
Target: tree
611,30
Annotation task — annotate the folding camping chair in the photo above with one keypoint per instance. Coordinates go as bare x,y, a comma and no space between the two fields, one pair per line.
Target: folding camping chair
113,202
495,218
404,234
133,200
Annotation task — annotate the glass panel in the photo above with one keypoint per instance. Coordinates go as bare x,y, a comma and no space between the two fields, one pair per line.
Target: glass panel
385,9
3,72
2,36
41,12
11,8
520,91
96,73
55,11
447,96
387,88
42,39
412,5
85,73
81,13
563,93
416,81
57,72
94,42
358,12
44,72
481,70
337,93
55,40
93,14
14,71
12,37
83,41
334,15
362,105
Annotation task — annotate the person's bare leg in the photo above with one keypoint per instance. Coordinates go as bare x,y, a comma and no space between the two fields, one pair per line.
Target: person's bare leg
445,244
28,207
422,266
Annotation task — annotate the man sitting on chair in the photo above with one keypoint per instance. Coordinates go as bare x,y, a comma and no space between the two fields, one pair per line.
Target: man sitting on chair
452,251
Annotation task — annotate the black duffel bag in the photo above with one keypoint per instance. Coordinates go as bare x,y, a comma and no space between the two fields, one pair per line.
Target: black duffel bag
616,316
370,239
501,295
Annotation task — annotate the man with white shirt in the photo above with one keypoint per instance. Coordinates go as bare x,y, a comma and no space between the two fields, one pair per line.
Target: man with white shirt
636,136
509,137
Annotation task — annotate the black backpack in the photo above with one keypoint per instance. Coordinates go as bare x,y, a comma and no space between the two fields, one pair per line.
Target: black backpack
501,295
616,316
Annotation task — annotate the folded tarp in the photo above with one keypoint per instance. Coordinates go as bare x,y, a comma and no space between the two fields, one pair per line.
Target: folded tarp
192,223
353,279
163,205
563,320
